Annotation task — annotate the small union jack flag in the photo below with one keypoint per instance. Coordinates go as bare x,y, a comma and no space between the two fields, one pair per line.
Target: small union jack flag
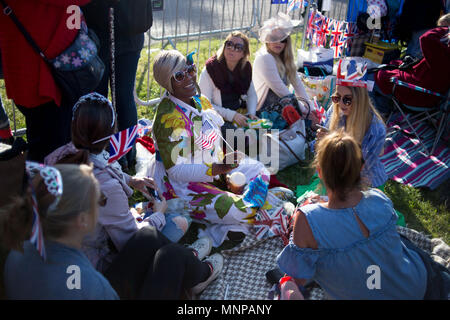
275,223
320,111
207,136
37,237
121,142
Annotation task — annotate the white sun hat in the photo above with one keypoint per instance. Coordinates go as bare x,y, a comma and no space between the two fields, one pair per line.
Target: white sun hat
277,28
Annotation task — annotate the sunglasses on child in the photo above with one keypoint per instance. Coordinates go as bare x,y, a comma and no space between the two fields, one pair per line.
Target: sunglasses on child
181,75
236,46
347,100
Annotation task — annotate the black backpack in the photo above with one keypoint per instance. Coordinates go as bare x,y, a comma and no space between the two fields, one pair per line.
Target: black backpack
131,17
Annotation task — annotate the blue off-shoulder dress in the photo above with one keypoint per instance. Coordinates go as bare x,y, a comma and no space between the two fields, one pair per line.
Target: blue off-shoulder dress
349,266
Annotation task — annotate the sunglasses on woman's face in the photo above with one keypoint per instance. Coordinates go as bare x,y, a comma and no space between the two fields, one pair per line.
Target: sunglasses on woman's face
181,75
284,40
236,46
347,100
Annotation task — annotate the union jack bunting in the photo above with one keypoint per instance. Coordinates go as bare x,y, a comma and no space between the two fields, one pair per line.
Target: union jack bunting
294,5
122,142
207,136
314,19
349,33
337,38
324,31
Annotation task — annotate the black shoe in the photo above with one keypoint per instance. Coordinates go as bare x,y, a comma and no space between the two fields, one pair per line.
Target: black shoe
236,236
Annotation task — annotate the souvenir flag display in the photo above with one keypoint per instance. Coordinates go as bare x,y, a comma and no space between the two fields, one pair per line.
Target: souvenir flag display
295,4
207,136
122,142
352,73
272,223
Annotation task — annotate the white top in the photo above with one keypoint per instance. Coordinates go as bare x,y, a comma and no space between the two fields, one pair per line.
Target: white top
265,76
210,91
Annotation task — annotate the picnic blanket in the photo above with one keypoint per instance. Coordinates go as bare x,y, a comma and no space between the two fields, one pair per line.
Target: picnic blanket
243,274
405,162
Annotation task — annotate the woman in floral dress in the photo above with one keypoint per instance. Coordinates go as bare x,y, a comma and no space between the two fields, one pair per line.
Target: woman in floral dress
189,161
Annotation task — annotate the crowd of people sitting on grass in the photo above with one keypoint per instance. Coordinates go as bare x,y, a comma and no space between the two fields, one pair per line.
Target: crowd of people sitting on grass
72,204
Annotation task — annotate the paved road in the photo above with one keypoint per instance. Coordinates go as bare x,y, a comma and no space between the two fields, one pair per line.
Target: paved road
184,17
210,15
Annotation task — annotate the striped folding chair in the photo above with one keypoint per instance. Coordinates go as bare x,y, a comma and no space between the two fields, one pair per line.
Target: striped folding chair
436,115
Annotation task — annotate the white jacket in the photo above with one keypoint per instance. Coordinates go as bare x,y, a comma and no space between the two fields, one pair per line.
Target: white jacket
210,91
265,76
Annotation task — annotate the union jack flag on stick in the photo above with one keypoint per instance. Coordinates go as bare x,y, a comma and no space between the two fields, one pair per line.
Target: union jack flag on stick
121,142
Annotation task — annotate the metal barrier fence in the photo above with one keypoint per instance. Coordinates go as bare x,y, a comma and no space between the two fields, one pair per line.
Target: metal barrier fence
196,20
192,21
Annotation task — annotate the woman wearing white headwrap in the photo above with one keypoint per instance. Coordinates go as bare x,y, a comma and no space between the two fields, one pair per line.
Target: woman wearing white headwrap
189,159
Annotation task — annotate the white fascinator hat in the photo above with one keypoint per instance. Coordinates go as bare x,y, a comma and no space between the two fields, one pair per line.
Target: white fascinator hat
278,28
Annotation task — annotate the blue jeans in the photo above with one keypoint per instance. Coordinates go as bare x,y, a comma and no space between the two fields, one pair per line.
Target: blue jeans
127,58
176,226
127,53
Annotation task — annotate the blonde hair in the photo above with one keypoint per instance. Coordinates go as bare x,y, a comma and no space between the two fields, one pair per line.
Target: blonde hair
285,62
444,21
236,34
340,160
81,192
360,118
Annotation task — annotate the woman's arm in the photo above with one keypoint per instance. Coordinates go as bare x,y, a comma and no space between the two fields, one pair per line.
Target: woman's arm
303,237
252,100
208,88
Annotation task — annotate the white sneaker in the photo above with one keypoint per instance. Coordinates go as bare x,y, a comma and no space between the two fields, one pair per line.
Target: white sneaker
216,261
202,246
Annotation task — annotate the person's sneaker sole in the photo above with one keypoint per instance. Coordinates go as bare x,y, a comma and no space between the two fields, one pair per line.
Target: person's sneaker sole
217,262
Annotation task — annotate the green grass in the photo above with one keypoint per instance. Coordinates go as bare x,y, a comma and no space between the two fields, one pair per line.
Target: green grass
425,210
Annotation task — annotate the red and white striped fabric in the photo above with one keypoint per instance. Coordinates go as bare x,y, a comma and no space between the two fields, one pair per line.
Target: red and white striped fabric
207,136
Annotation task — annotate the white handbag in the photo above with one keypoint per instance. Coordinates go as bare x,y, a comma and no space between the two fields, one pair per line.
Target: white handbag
291,144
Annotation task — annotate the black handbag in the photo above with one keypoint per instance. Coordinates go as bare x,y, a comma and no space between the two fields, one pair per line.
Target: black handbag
78,69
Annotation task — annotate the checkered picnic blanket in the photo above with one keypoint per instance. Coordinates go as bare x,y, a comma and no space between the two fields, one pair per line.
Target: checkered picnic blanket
245,266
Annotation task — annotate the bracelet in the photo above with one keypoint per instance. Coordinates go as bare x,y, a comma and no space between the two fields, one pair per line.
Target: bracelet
285,279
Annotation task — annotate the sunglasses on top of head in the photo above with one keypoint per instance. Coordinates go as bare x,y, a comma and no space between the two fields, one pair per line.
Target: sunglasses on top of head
347,100
181,75
236,46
